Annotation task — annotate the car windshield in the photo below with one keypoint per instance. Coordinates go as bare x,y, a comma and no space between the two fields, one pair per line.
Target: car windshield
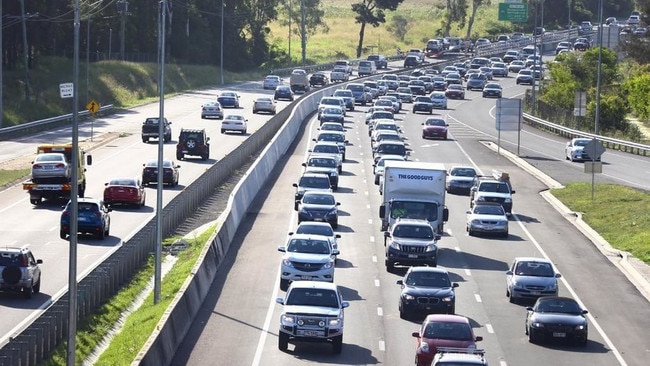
563,306
535,269
451,330
388,136
414,210
318,199
494,187
123,182
580,142
309,246
434,122
315,182
332,111
331,137
324,230
391,149
322,162
438,96
489,210
427,279
463,172
329,149
423,100
235,117
313,297
55,157
413,231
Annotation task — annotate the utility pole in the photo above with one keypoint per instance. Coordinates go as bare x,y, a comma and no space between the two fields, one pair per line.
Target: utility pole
304,34
123,9
161,129
25,49
2,65
223,9
290,19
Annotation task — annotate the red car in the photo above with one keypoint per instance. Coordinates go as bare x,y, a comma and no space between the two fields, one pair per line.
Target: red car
439,330
434,127
125,191
455,91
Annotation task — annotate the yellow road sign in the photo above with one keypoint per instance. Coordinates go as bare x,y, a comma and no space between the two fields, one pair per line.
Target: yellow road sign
92,107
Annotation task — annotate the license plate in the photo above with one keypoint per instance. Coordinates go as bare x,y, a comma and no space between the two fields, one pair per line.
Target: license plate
318,219
83,219
306,277
413,255
535,293
559,334
184,151
310,333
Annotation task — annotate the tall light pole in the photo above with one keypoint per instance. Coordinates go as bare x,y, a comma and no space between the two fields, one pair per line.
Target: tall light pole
303,39
221,48
600,62
25,48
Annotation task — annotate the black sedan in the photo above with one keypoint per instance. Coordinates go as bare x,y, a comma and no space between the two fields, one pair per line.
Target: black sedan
423,104
332,114
556,318
319,206
426,290
283,92
229,99
455,91
318,78
170,172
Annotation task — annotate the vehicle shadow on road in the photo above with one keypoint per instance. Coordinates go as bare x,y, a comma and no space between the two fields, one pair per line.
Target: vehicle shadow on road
322,353
450,258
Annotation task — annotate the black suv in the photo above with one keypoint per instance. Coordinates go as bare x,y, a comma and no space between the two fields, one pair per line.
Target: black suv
193,142
20,271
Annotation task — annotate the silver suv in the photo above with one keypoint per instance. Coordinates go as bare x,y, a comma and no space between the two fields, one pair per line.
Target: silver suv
313,312
307,257
20,271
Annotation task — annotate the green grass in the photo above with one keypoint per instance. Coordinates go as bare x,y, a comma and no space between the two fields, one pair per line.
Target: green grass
140,324
620,214
7,177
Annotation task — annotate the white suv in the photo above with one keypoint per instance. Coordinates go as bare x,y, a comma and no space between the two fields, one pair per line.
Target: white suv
20,271
313,312
307,257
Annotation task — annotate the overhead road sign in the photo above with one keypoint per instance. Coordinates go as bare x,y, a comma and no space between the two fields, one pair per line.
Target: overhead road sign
513,12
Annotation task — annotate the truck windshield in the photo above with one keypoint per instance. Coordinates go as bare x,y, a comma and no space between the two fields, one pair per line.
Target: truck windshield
313,297
494,187
414,210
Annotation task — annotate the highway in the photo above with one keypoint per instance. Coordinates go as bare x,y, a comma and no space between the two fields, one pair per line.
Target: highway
38,226
238,322
374,333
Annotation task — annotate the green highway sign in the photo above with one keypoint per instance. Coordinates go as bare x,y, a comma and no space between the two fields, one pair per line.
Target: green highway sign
513,12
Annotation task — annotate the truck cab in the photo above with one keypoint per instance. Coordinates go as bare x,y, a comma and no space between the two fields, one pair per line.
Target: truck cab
495,188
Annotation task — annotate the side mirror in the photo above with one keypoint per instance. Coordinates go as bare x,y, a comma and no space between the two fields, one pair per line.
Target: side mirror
400,282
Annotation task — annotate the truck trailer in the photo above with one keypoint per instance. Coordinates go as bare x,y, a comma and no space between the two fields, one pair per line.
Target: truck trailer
414,190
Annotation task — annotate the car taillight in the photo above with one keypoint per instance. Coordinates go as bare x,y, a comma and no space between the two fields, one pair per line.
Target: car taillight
60,165
37,166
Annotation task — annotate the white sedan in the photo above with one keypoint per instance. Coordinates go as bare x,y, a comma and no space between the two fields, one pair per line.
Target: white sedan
575,150
234,122
487,218
271,81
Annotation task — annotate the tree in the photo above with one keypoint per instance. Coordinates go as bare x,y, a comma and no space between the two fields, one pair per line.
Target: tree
456,12
398,27
371,12
313,22
637,89
475,5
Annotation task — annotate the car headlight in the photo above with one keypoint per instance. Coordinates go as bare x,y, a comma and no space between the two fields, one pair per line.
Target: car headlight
333,173
424,347
581,327
287,262
431,248
409,297
475,222
288,319
480,199
395,245
507,200
448,299
515,284
328,265
335,323
332,212
536,325
552,287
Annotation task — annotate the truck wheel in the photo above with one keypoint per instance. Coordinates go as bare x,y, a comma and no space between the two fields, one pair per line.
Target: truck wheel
37,287
283,341
284,285
28,291
337,344
390,266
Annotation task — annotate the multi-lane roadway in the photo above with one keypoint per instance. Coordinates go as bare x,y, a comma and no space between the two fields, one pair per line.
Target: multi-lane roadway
238,323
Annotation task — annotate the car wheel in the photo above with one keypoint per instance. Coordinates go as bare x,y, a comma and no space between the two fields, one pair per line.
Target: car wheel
223,131
179,156
37,287
102,234
205,156
532,337
283,341
470,232
243,132
284,284
63,234
254,111
28,291
337,344
335,224
390,266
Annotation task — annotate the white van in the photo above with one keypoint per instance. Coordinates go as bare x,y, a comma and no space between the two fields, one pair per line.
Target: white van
366,68
529,50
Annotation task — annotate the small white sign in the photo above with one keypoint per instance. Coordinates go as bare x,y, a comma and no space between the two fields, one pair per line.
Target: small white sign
66,90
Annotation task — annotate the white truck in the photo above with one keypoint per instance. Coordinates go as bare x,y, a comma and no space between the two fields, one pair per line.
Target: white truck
339,74
414,190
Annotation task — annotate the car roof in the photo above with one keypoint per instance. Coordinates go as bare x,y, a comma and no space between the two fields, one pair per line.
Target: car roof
314,284
449,318
532,259
314,174
419,222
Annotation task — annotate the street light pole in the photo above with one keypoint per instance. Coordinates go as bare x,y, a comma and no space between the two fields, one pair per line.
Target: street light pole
25,48
221,48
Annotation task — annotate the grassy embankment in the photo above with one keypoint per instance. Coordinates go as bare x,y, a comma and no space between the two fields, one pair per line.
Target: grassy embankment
620,214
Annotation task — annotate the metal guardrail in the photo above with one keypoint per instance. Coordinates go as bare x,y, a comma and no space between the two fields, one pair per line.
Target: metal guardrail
611,143
7,133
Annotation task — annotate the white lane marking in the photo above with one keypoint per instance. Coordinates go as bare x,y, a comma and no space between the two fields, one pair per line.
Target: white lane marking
457,249
370,221
468,272
372,239
382,346
489,328
374,259
477,297
377,283
503,363
380,311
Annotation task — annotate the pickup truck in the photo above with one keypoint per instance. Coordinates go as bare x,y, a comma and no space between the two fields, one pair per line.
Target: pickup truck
313,312
344,64
150,129
339,74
